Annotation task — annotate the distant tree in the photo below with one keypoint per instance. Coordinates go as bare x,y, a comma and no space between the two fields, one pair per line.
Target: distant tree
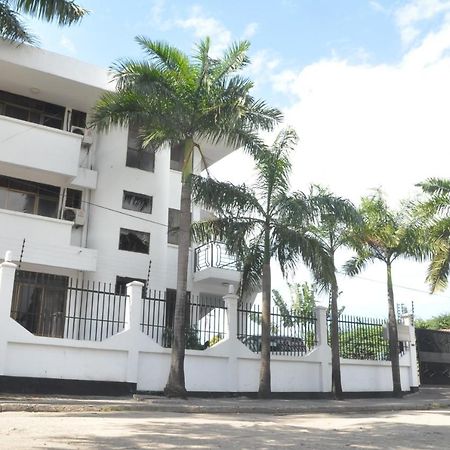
440,322
434,212
385,236
64,12
301,303
332,219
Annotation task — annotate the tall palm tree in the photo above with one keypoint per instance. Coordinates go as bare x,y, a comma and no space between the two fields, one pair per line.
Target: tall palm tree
385,236
257,224
64,12
434,212
333,218
174,99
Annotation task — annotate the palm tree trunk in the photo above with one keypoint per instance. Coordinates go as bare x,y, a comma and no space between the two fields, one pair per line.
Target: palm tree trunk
335,355
264,376
393,336
175,386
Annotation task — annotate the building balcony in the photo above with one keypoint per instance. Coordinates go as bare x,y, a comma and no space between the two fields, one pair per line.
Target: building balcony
47,242
38,153
213,264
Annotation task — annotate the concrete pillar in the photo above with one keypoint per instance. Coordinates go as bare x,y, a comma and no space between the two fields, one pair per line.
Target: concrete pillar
133,317
321,325
231,302
7,275
414,378
323,349
133,310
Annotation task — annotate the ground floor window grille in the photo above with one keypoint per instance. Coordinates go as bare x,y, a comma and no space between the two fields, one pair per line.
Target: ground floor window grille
39,302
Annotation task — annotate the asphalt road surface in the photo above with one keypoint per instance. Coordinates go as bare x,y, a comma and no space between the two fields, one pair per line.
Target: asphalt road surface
396,430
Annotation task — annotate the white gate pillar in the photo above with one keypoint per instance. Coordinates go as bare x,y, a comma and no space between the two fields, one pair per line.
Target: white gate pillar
414,378
323,348
7,275
231,302
133,314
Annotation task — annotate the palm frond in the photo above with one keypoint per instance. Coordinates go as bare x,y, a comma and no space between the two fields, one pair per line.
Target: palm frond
234,59
435,186
223,197
64,12
357,264
166,57
12,28
273,164
439,267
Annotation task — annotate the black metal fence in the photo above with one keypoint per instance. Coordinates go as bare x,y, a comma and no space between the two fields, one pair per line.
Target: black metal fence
363,338
214,254
291,334
95,311
206,321
56,306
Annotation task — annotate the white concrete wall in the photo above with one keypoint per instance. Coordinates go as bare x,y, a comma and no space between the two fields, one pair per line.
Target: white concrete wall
131,356
47,241
38,153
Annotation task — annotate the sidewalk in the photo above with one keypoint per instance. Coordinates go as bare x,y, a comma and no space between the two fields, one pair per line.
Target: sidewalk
426,398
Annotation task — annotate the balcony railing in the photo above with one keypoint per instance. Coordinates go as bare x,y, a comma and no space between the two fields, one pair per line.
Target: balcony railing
214,254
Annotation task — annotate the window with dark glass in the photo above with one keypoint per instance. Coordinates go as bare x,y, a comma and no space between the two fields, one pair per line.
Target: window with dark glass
173,226
121,284
73,198
29,197
39,302
138,157
177,156
31,110
134,241
137,202
78,119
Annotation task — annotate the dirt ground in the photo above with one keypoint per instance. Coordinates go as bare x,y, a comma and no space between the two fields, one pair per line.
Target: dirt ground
396,430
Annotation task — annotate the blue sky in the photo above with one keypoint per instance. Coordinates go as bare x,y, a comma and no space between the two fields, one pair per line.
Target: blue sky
364,82
294,33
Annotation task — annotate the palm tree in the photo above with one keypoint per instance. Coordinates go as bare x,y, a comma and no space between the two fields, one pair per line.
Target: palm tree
64,12
174,99
385,236
434,213
333,217
257,224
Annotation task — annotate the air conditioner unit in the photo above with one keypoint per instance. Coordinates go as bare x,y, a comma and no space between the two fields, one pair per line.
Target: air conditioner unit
74,215
88,137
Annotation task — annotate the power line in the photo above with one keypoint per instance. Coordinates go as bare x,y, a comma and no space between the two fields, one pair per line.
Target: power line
41,188
421,291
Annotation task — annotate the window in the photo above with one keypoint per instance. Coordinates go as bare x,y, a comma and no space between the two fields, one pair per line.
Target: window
173,226
29,197
39,302
78,119
121,284
134,241
73,198
31,110
137,202
177,156
138,157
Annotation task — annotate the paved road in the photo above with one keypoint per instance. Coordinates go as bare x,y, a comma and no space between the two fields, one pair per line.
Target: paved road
398,430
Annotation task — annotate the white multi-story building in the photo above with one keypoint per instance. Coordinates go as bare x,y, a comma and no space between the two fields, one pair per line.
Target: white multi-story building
75,204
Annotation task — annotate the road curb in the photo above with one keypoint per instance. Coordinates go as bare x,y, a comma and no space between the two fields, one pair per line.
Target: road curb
207,409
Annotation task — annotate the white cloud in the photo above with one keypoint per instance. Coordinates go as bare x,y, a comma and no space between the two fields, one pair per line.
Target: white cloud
363,126
412,14
250,30
203,25
67,45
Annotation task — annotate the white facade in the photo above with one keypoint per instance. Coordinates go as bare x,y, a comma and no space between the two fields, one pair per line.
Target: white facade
88,247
